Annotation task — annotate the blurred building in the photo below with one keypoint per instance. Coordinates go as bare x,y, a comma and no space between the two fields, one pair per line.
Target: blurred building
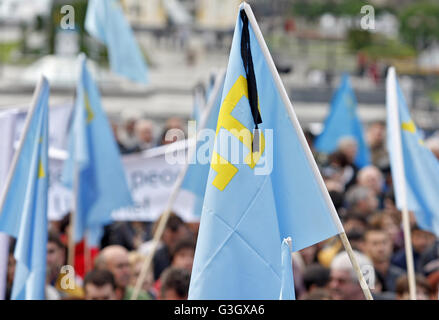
149,13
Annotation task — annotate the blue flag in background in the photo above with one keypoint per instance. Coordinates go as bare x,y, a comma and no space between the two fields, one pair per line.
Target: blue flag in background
94,158
24,212
105,21
196,176
343,121
419,165
252,204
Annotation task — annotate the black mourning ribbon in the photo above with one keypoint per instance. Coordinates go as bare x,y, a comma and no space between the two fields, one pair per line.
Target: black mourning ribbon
247,60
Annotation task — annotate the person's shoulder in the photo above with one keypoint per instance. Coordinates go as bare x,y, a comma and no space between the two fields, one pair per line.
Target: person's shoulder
399,255
396,271
141,296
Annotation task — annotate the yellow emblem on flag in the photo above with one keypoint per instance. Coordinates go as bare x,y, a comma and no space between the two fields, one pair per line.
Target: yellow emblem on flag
41,172
225,170
409,126
90,113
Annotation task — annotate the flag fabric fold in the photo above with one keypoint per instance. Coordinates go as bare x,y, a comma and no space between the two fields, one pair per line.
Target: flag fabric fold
413,165
23,212
343,121
287,286
105,21
94,168
253,201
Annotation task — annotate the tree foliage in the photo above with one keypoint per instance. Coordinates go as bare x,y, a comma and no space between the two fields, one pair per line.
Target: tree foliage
419,23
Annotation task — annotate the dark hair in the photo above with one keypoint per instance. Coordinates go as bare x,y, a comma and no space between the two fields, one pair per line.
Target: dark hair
55,238
416,227
12,242
339,158
187,243
402,284
100,278
355,235
174,222
315,274
64,223
177,279
374,229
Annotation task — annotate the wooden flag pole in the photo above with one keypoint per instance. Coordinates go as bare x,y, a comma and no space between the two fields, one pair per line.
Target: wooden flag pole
87,256
176,188
392,101
72,244
289,108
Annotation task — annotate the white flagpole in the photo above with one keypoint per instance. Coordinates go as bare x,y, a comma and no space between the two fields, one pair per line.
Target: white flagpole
296,124
176,188
392,102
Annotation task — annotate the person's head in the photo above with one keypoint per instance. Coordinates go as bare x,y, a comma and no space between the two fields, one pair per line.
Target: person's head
172,131
130,125
388,221
338,159
378,245
309,254
372,178
136,262
183,254
421,239
349,147
356,238
376,133
11,263
56,255
115,129
423,289
175,284
144,130
174,123
354,221
318,294
361,200
175,230
433,145
315,276
99,285
114,258
343,283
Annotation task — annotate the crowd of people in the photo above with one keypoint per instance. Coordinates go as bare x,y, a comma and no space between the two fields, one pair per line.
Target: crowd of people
364,200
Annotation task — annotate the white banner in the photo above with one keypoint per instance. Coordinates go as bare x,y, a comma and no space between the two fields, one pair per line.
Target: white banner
151,178
59,118
149,175
7,128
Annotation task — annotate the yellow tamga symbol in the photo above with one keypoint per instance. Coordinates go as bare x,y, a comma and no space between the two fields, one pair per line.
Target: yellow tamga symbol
225,170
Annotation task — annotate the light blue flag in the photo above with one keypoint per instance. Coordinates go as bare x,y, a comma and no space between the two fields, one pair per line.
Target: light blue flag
23,214
197,173
343,121
287,287
252,203
94,158
415,167
105,21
